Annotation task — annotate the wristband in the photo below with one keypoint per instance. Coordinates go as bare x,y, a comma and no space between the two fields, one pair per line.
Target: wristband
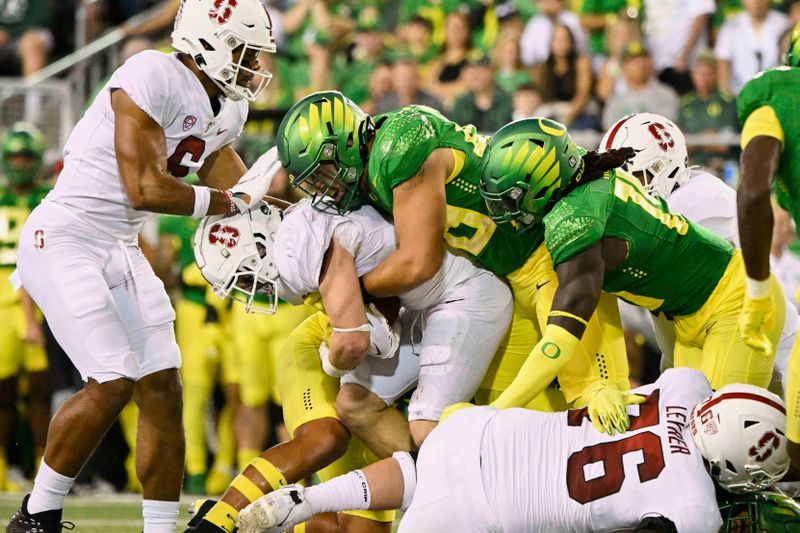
202,199
363,327
757,289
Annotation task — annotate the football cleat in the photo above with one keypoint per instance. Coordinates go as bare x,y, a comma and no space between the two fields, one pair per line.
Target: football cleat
44,522
275,512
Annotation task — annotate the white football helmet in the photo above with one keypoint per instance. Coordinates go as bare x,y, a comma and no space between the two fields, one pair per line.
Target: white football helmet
660,150
236,256
210,30
741,431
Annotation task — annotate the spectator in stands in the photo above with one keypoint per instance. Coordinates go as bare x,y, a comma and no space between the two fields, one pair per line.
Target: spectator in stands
445,77
596,17
526,102
379,85
415,41
510,72
783,261
707,109
25,37
565,79
675,30
643,92
749,43
535,40
352,68
609,78
406,89
486,106
509,19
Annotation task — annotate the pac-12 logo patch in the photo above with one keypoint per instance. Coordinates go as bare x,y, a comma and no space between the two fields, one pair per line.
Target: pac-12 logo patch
767,444
38,239
222,10
227,236
189,122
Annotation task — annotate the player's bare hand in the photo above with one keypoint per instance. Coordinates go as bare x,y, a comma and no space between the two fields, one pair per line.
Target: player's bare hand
34,334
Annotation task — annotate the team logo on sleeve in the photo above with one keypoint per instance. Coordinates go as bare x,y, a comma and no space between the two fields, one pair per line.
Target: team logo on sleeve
189,122
767,444
38,239
222,10
226,236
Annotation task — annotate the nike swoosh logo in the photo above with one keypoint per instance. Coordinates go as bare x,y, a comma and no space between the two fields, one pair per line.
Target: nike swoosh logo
248,25
220,132
540,285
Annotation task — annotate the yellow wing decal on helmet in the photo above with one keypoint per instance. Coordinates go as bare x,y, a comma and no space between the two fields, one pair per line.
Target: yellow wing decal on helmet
556,130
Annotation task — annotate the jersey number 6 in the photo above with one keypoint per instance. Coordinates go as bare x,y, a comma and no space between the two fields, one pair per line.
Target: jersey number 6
607,458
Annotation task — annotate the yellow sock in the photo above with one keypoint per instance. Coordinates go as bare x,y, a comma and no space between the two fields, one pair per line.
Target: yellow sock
195,399
245,455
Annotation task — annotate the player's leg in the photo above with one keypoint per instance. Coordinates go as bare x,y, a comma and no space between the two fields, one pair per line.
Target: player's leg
459,340
318,438
190,333
11,355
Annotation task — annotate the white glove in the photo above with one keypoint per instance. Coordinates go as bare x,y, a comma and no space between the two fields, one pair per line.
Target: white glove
383,340
256,181
275,512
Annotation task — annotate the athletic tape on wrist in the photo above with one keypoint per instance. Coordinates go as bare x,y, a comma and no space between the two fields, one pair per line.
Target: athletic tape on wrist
758,288
249,490
269,472
202,199
363,327
568,315
408,467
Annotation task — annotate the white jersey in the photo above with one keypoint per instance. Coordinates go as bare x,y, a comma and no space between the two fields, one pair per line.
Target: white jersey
164,88
555,472
305,234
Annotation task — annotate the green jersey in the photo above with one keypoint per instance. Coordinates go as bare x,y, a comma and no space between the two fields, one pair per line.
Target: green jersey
181,229
777,88
672,265
404,140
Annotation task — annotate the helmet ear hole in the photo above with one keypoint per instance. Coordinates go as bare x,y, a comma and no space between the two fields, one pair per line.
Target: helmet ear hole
207,45
729,466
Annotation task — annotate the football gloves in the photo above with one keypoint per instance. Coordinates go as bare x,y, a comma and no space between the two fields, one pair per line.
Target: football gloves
606,406
757,317
277,511
254,184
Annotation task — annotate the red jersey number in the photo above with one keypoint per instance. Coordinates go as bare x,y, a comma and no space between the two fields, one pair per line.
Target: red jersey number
193,146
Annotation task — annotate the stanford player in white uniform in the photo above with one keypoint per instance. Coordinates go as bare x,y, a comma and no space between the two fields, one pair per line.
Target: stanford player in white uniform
160,117
513,471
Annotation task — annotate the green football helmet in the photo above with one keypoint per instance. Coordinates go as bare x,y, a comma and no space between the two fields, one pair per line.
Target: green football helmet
792,57
758,512
526,170
322,144
22,153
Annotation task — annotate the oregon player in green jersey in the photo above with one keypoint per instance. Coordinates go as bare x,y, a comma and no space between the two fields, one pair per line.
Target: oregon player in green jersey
605,233
770,162
424,170
21,339
758,512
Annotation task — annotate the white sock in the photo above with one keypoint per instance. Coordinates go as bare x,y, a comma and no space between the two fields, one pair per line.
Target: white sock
160,516
408,467
49,490
349,492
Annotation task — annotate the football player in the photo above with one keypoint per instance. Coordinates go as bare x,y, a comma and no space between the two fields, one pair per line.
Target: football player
22,341
770,161
605,233
424,170
487,470
660,164
158,118
452,325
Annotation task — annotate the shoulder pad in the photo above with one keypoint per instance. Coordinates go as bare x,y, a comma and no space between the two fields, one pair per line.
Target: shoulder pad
404,141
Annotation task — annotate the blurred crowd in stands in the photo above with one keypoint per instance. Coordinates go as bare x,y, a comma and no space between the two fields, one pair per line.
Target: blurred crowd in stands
585,63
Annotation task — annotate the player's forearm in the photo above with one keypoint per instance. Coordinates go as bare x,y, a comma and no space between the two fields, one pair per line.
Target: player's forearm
165,194
755,220
400,273
347,350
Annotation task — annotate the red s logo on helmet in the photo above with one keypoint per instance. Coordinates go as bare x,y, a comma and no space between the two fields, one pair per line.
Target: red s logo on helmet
767,444
659,131
222,10
227,236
